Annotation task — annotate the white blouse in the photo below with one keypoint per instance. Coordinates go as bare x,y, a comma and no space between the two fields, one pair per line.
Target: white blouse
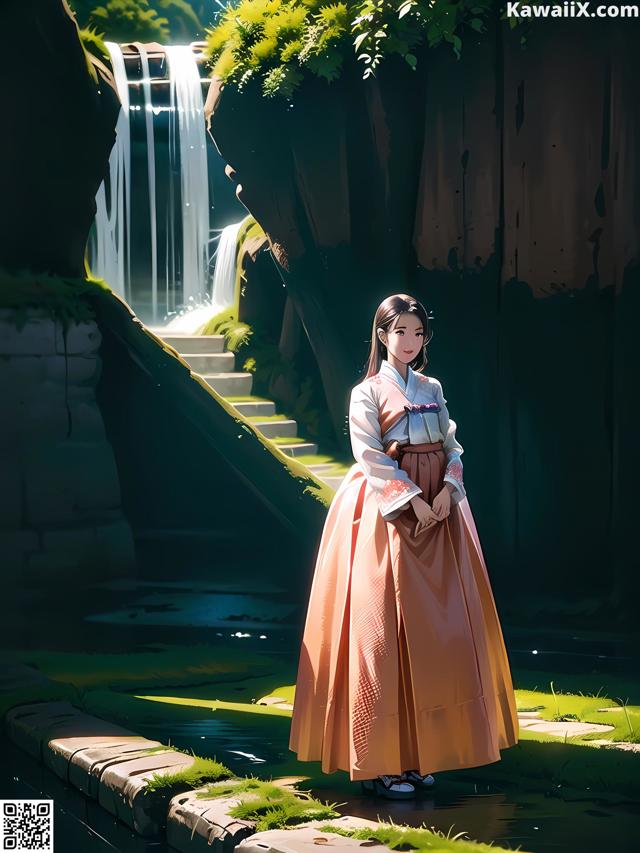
426,420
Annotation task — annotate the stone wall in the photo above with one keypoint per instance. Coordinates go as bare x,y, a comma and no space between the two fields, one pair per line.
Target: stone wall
60,504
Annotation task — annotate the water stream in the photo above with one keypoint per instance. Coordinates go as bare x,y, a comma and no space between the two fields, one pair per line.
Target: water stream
155,213
109,244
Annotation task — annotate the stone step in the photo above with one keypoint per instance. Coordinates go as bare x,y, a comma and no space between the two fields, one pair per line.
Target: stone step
318,469
303,448
304,840
196,824
230,384
217,362
105,761
274,429
192,343
257,407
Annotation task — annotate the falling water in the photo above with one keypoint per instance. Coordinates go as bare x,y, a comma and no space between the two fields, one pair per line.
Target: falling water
110,250
151,174
187,112
223,290
179,197
224,276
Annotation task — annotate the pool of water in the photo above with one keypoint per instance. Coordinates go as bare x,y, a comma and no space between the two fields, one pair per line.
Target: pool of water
131,615
555,821
541,821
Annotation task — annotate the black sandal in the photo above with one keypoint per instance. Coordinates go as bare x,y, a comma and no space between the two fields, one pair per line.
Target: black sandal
417,780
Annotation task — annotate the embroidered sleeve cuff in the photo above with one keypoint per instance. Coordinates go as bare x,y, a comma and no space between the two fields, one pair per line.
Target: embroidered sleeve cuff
453,475
394,497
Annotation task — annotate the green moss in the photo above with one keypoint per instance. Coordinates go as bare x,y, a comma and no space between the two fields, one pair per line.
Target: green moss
399,837
202,770
271,806
157,664
248,399
265,418
236,334
281,41
65,299
130,20
559,706
93,43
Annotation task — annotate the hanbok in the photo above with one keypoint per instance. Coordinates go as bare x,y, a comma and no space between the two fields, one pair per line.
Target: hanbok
403,663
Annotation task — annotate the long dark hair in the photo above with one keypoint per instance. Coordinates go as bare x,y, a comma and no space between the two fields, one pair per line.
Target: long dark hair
387,312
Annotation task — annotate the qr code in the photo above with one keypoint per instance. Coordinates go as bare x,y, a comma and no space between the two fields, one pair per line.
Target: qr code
26,825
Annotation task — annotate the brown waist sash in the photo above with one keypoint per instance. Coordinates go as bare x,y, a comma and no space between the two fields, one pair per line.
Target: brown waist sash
394,450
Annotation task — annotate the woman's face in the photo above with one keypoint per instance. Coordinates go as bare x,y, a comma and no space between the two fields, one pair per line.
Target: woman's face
404,338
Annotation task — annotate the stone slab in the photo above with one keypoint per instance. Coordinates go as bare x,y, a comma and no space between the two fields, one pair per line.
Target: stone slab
88,763
625,746
86,421
72,370
346,821
201,824
122,791
302,840
80,476
36,337
79,338
11,478
81,735
31,726
569,728
20,373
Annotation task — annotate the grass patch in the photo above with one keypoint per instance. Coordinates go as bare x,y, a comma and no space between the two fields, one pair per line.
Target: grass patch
60,298
552,763
259,418
400,837
271,806
314,459
167,665
236,333
202,770
586,709
248,399
46,692
286,692
219,704
579,684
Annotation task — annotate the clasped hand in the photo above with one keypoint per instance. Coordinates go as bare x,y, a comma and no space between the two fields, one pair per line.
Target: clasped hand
427,515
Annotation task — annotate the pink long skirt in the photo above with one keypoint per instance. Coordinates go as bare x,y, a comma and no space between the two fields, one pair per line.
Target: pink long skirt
403,664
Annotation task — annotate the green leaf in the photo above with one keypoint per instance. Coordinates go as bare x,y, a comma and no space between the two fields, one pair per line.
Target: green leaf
359,39
411,59
405,9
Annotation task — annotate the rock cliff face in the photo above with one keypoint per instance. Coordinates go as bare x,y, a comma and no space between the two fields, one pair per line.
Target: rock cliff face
60,504
501,190
59,115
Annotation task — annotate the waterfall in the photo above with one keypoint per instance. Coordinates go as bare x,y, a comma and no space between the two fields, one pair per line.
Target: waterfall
151,175
110,248
156,256
224,277
187,112
223,289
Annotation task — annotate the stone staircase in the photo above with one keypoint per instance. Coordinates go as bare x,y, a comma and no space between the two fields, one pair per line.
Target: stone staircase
207,356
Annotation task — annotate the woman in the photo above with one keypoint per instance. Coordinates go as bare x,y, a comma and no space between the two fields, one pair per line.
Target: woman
403,669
